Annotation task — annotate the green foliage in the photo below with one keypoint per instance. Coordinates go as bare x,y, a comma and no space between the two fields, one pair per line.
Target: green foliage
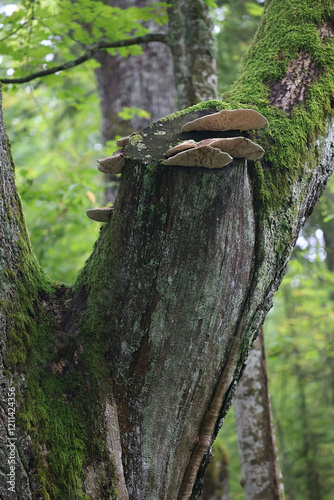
55,168
128,113
37,33
235,22
55,165
227,439
300,346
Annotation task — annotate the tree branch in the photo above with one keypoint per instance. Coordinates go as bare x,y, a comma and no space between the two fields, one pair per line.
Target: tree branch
137,40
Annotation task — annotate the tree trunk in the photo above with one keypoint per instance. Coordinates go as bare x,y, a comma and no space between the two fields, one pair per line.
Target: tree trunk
261,474
192,45
161,318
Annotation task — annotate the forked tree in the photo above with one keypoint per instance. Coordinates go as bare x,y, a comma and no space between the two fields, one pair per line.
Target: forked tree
122,381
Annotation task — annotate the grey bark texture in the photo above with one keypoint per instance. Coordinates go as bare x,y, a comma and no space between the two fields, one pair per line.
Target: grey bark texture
224,234
261,473
193,48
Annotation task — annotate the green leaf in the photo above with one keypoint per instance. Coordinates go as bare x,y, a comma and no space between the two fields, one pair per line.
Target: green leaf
128,113
254,9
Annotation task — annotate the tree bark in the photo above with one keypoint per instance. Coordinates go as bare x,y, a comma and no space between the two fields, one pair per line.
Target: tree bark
18,295
261,473
193,48
160,321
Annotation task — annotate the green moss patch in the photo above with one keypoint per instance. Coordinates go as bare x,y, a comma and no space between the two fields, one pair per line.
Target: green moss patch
287,30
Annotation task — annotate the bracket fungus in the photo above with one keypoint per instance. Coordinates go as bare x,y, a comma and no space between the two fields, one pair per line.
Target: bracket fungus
181,147
121,143
112,164
203,156
205,153
238,147
100,214
236,119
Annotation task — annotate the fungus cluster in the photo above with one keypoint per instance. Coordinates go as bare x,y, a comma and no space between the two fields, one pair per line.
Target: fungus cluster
110,165
215,152
114,164
218,152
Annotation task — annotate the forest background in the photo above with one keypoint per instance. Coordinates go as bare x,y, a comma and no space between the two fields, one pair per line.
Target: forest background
54,127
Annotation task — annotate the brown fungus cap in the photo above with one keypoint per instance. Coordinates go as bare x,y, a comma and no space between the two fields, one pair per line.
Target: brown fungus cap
121,143
204,156
112,164
100,214
181,147
238,147
236,119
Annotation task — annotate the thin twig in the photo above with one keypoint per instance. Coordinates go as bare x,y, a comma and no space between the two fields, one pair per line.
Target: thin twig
15,31
137,40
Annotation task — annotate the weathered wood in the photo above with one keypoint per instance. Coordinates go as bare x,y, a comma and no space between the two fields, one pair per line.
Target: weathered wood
186,299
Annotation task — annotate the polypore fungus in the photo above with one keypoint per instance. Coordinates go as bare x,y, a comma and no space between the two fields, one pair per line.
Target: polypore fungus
180,147
204,156
100,214
238,147
121,143
112,164
236,119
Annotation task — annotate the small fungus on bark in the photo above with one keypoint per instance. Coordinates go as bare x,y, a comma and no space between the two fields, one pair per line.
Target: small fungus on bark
204,156
238,147
100,214
236,119
112,164
121,143
181,147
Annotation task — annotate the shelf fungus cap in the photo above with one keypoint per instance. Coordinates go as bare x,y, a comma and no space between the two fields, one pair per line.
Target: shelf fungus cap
112,164
121,143
181,147
204,156
100,214
236,119
238,147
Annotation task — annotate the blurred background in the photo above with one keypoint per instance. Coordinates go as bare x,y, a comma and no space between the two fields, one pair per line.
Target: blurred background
54,125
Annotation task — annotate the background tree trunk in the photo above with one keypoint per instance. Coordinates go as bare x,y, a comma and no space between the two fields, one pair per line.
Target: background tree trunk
261,474
193,49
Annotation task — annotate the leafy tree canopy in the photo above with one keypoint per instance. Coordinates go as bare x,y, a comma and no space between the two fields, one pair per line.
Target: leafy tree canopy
36,34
